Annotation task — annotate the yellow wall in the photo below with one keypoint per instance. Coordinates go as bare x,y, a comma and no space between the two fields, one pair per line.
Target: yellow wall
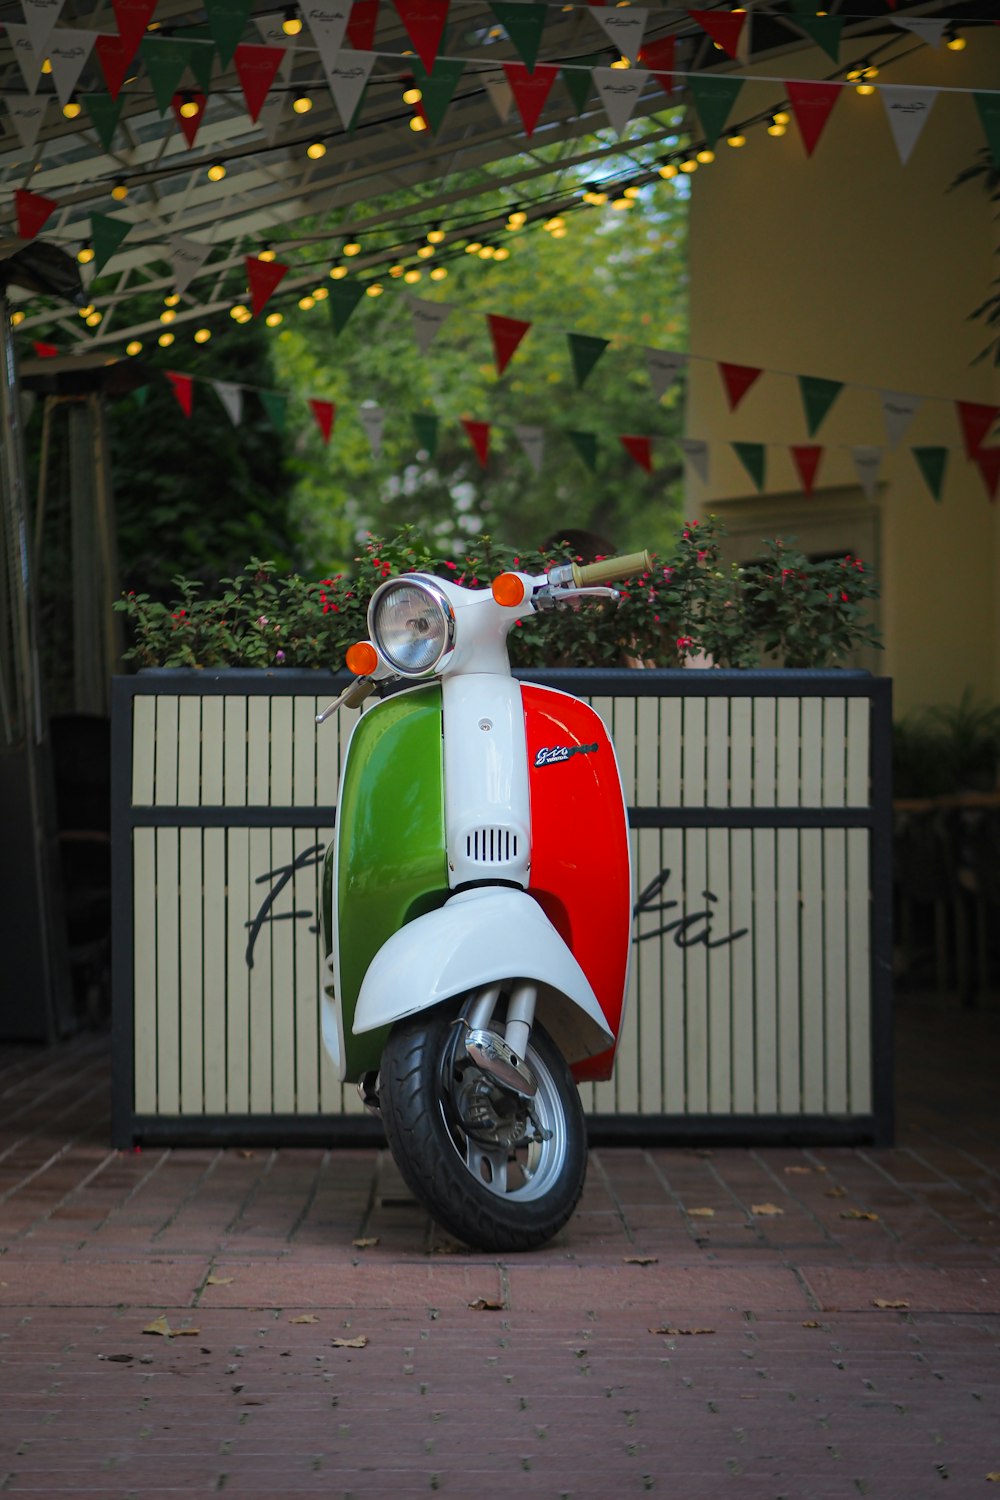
852,266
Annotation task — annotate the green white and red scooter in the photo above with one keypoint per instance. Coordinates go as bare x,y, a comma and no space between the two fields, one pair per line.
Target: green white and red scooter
477,903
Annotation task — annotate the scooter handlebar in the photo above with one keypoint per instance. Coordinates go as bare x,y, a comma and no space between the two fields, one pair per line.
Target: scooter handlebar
611,567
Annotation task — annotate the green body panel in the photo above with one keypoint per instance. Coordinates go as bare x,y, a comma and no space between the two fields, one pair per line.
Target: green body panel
392,863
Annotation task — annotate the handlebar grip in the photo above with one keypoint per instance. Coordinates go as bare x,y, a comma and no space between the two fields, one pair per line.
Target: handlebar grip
611,567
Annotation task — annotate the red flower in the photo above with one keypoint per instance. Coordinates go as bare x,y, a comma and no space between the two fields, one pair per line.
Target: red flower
684,641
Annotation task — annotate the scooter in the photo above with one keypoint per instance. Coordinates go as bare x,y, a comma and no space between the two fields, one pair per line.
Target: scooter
477,903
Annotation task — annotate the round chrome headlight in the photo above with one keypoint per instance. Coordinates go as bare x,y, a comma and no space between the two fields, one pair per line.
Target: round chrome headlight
412,624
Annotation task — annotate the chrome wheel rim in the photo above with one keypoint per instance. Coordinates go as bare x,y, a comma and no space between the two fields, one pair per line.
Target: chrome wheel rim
524,1170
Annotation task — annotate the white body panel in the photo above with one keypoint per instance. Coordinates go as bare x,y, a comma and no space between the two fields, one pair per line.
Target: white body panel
487,809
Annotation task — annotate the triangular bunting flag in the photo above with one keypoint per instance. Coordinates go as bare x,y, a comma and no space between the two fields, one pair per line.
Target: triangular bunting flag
272,34
585,351
372,419
806,457
824,31
40,18
344,298
664,366
272,113
106,234
45,351
189,126
133,16
425,425
928,29
256,67
695,451
624,26
428,319
523,23
975,420
276,407
183,389
723,27
437,88
640,449
506,334
811,104
659,57
227,21
104,113
988,107
620,89
714,97
32,210
27,111
737,379
932,463
28,59
361,25
907,109
988,464
263,277
187,258
479,437
532,440
68,53
500,93
425,21
347,77
585,444
114,58
530,91
164,60
867,462
579,81
753,457
324,412
201,60
818,395
898,410
328,24
231,396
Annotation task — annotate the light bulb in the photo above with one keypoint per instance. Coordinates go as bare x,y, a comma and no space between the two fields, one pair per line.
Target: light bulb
621,203
412,96
94,318
189,107
337,273
736,140
85,312
267,254
517,219
237,311
782,117
622,62
374,289
690,165
776,128
46,65
418,123
172,300
486,252
17,318
412,276
595,197
502,253
167,315
865,88
316,150
302,104
554,223
165,340
425,251
133,347
956,42
473,247
631,192
216,172
668,170
85,254
320,294
274,318
71,109
307,302
202,335
353,247
435,235
396,271
291,23
705,156
120,191
440,272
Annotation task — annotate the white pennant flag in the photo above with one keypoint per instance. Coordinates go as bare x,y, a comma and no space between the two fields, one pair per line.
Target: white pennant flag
328,23
273,34
619,89
867,462
624,26
372,419
664,366
28,59
695,450
907,109
898,410
69,52
428,319
500,92
532,440
27,111
928,30
187,258
272,112
40,17
347,79
231,396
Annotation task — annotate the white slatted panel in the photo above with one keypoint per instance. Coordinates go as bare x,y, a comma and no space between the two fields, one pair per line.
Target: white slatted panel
144,970
720,1017
812,989
859,970
215,978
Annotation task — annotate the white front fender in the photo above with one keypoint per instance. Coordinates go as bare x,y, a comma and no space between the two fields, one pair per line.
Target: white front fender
478,937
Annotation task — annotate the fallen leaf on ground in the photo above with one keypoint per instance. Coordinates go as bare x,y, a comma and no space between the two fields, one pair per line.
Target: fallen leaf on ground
305,1318
895,1306
640,1260
161,1326
857,1213
684,1331
219,1281
118,1359
358,1343
365,1244
798,1171
484,1304
812,1323
994,1476
246,1154
835,1192
701,1213
764,1210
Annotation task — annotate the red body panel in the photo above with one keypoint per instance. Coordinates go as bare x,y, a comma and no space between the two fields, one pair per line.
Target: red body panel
580,867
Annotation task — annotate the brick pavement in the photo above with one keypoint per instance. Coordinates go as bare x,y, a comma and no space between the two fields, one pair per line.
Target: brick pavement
651,1348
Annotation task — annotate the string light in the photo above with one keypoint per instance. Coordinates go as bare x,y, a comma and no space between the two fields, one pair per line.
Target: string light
776,128
134,347
202,335
307,302
71,108
120,190
782,117
166,316
690,165
500,253
705,156
487,252
412,96
412,276
440,272
291,23
85,254
189,106
418,123
594,196
216,172
338,272
46,65
316,150
435,236
17,318
620,204
172,300
239,313
622,62
273,319
473,247
302,104
425,251
85,312
396,271
954,40
165,340
374,289
631,191
668,170
320,294
556,222
353,247
517,219
736,140
95,318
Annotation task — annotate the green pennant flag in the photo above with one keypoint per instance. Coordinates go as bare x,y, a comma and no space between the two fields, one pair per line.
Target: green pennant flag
713,98
932,463
579,81
824,31
425,425
988,106
818,395
586,351
106,234
344,298
141,395
165,61
200,58
104,113
585,444
753,457
275,404
227,21
436,88
523,23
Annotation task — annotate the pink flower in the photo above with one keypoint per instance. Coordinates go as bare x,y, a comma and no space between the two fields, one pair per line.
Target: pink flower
683,641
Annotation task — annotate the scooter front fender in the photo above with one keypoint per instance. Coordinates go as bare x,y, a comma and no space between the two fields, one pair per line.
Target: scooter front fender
479,937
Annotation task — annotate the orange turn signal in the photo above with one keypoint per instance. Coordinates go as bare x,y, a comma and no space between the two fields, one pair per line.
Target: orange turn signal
508,590
361,658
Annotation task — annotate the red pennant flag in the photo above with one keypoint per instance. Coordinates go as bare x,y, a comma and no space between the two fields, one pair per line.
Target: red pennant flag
807,457
361,26
812,103
641,449
737,379
425,22
133,16
988,464
183,389
189,126
723,27
114,58
263,277
32,211
45,351
256,67
479,437
324,412
976,420
659,57
530,90
507,333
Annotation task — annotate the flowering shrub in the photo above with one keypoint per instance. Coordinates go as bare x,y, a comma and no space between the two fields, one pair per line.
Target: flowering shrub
780,610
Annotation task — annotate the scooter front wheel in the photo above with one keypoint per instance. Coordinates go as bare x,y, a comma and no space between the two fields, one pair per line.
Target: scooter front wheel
496,1171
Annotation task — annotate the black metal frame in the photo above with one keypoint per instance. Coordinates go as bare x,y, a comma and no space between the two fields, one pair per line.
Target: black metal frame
346,1131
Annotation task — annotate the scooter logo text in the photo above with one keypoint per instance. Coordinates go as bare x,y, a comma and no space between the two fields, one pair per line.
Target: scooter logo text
552,755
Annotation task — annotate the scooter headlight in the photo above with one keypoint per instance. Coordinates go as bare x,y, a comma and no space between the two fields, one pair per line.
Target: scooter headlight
412,624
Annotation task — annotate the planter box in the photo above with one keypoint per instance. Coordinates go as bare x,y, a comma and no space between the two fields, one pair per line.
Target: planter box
759,1002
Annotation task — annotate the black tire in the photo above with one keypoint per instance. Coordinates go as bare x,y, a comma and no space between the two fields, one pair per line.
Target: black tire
451,1172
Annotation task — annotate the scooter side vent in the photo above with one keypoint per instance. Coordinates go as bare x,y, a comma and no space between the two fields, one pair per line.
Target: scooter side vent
492,846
